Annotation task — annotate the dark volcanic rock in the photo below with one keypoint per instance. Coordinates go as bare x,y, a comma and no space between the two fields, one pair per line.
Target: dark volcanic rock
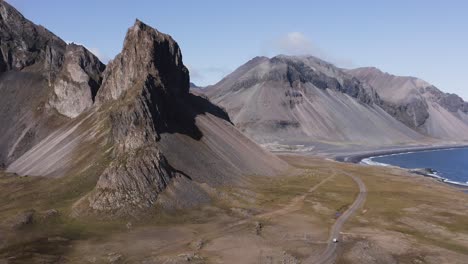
132,182
23,219
300,72
413,114
451,102
156,121
143,80
27,46
148,55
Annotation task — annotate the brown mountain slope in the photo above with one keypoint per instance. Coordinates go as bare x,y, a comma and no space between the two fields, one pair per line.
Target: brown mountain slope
163,135
419,104
140,136
304,99
43,82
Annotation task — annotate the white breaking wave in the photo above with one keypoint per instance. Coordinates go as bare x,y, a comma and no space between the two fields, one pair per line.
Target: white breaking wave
369,161
456,183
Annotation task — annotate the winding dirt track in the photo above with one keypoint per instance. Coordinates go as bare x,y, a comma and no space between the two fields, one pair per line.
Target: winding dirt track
330,253
292,206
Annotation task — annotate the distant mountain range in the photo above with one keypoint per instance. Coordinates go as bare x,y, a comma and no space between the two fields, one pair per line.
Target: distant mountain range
194,86
303,99
419,104
297,99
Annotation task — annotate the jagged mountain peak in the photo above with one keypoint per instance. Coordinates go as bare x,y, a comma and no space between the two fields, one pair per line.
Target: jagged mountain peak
155,126
144,53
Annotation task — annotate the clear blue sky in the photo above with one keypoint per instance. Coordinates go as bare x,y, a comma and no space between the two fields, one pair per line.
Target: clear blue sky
426,39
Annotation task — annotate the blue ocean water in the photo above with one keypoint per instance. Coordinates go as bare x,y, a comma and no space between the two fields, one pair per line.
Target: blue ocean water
450,164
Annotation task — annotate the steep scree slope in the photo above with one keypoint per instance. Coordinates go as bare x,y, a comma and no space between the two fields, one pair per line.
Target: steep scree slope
43,82
133,125
304,99
419,104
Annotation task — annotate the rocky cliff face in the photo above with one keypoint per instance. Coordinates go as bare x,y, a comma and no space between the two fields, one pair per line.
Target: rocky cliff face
157,126
451,102
132,126
42,80
26,46
305,99
323,75
73,71
148,72
418,104
147,53
414,113
77,83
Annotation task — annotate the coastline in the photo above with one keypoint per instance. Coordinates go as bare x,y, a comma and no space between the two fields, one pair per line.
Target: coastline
359,156
366,158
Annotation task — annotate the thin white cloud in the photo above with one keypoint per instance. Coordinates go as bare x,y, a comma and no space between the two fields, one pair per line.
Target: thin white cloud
297,43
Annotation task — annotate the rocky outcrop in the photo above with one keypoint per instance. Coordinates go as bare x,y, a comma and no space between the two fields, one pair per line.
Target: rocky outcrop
140,81
413,113
132,183
23,219
78,81
147,56
451,102
323,76
165,139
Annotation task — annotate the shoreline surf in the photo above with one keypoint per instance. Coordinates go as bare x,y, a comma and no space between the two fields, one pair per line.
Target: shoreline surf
428,172
359,156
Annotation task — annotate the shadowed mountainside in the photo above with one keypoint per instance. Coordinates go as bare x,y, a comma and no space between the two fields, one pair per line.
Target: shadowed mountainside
133,125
